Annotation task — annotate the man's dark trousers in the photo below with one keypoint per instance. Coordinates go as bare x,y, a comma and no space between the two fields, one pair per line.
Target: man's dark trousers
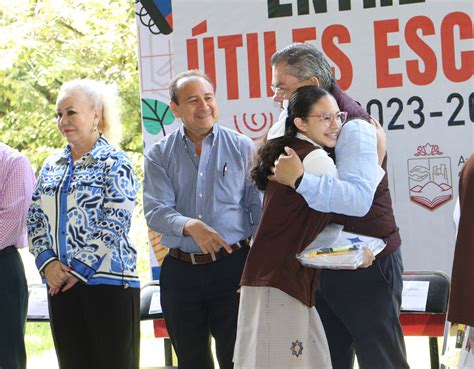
13,309
360,310
200,301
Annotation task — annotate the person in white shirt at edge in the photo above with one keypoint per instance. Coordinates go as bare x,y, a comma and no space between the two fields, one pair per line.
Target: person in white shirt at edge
347,300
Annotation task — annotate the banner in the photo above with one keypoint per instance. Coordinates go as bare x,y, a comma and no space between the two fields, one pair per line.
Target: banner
410,63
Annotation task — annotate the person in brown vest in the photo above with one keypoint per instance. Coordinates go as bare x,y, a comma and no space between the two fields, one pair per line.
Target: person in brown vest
461,300
359,309
277,326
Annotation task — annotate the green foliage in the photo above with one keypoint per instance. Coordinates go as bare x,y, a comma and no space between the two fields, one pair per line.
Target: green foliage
42,45
46,43
38,155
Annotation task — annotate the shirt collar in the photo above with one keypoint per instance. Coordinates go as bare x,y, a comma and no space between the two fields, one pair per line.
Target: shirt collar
278,129
97,151
212,135
303,137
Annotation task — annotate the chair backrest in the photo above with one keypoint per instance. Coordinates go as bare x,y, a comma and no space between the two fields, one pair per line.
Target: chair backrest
150,294
438,291
37,303
432,321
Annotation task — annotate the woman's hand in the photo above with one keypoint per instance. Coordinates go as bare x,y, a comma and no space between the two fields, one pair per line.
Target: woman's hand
287,169
56,274
368,258
71,281
53,291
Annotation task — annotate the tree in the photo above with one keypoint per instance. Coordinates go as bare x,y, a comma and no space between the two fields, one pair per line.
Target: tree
45,43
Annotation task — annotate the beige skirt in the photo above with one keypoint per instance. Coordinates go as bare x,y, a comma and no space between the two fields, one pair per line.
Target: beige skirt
275,330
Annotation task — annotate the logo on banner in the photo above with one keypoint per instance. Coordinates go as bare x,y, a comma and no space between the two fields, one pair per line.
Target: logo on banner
255,126
429,177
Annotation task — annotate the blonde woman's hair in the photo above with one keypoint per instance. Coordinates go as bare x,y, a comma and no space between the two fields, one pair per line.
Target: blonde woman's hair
103,97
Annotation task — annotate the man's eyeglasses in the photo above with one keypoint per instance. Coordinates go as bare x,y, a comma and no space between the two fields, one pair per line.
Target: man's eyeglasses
279,91
328,118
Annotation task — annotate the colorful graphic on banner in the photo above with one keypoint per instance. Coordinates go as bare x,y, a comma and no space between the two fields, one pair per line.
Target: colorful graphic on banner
156,15
254,125
158,252
409,63
155,116
154,28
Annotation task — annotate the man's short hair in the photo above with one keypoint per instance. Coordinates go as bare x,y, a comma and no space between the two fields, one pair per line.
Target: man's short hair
304,61
173,84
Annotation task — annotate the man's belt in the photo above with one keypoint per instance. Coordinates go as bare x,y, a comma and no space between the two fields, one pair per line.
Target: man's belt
197,258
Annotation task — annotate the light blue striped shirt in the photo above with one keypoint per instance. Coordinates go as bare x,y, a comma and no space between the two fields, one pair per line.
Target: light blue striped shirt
214,187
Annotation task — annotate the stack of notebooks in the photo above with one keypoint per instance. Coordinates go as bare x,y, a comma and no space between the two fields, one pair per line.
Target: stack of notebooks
334,248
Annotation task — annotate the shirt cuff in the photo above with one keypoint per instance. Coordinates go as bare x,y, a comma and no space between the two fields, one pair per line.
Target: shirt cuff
305,184
81,270
178,225
43,259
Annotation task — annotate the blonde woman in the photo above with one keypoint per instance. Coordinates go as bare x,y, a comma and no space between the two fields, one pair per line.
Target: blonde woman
78,228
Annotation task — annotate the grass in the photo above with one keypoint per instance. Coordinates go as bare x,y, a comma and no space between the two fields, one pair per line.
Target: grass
38,338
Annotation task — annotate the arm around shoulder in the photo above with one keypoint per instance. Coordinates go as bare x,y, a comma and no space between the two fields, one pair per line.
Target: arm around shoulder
357,165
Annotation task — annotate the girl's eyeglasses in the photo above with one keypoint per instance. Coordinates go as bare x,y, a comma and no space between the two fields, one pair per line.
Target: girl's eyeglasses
328,118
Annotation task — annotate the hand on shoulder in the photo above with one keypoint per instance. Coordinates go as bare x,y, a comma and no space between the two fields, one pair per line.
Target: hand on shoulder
288,168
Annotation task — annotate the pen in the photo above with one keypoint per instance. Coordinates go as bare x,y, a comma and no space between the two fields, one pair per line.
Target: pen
224,169
328,250
315,254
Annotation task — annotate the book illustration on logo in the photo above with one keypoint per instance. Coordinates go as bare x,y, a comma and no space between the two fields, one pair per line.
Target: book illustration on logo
156,15
430,178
